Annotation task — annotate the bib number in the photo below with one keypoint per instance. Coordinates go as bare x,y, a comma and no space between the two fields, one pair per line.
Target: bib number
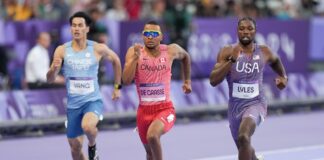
81,86
245,91
152,92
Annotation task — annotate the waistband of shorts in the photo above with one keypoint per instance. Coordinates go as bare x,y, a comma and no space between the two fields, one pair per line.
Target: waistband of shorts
154,107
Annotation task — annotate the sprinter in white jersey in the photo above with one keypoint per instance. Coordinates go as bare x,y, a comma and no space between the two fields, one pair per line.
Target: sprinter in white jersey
80,59
242,64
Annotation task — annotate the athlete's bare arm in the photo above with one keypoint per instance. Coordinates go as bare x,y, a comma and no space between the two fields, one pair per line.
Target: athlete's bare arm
111,56
223,64
56,64
105,52
276,65
131,59
179,53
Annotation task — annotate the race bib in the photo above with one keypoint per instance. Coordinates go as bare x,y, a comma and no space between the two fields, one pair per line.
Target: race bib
81,86
245,91
152,92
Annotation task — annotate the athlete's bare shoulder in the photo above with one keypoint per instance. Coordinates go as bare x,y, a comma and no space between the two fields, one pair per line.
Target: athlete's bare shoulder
228,46
268,53
173,47
101,48
176,51
60,47
264,47
226,50
59,51
131,47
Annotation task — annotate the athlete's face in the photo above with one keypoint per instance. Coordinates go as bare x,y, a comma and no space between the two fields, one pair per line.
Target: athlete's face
246,32
152,36
79,29
44,40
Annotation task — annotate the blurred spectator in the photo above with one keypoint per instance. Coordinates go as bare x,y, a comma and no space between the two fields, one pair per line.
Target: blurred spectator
319,8
209,8
178,24
133,8
3,68
285,9
233,9
278,9
78,5
37,63
251,10
44,9
118,12
62,7
18,11
293,8
155,10
99,4
3,61
307,8
98,32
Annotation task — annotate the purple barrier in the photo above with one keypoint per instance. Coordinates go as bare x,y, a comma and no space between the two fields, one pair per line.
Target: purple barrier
316,47
32,104
17,105
287,38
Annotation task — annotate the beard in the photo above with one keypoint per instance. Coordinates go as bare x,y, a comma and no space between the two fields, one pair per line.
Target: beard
150,46
245,41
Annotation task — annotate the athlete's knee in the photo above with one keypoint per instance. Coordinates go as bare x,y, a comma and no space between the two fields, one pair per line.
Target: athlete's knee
152,138
76,148
88,128
243,140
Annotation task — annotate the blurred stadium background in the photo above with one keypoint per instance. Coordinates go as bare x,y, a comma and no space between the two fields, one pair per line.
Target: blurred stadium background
292,28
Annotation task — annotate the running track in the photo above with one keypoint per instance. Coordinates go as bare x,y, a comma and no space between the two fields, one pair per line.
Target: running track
298,136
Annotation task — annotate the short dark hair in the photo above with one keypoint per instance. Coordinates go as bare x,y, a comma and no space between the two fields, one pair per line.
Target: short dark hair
152,22
83,15
246,19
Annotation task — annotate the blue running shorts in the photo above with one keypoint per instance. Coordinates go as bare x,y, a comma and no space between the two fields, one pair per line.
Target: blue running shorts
74,117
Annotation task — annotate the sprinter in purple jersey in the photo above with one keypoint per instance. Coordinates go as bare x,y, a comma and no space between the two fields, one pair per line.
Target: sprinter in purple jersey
242,64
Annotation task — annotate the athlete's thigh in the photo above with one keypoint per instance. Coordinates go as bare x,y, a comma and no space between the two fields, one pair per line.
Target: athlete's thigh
143,121
74,118
252,117
90,119
92,113
156,128
247,126
167,117
256,112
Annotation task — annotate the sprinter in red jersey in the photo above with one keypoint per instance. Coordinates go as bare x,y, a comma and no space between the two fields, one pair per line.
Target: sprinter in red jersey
150,67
